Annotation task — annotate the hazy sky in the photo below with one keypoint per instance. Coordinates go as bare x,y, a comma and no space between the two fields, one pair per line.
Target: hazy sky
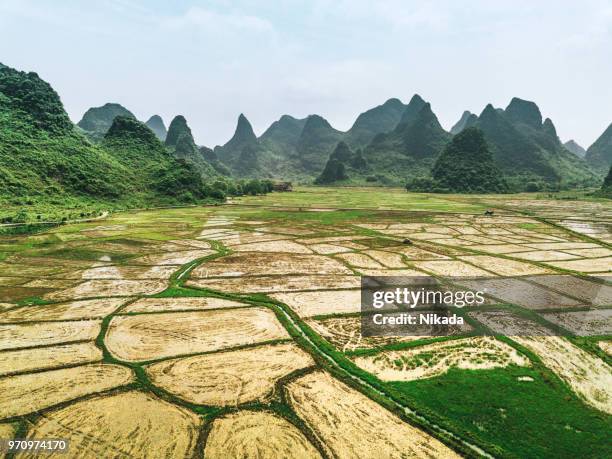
211,60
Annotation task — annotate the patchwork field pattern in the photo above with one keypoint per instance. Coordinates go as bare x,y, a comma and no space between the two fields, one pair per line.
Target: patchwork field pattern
234,331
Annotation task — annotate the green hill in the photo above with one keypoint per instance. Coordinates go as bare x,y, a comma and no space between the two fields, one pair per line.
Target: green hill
409,150
342,164
243,154
380,119
178,126
46,163
412,110
599,155
179,140
465,166
155,170
467,118
156,124
41,152
284,133
298,149
97,120
573,147
316,142
606,188
528,151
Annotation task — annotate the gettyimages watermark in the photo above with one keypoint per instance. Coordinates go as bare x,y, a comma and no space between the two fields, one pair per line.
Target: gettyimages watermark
422,306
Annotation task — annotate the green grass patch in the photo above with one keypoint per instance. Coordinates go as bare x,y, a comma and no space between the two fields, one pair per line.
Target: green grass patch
525,418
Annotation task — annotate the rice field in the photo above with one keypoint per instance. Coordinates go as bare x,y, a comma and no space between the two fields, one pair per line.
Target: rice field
234,331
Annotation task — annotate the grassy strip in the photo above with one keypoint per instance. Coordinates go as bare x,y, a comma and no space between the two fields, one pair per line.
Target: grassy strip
28,228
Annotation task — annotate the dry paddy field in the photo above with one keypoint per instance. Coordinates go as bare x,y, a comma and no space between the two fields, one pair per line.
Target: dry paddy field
24,360
97,318
350,425
131,424
308,304
155,336
179,304
7,431
229,378
584,323
86,309
257,434
27,393
18,336
256,264
271,284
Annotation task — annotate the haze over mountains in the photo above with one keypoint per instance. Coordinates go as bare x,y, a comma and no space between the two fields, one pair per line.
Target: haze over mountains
390,144
573,147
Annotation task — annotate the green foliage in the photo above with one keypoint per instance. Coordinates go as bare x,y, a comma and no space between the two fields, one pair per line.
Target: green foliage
532,187
410,149
29,96
606,188
340,162
599,155
254,187
379,119
334,171
537,418
41,153
181,180
178,126
527,150
267,186
316,141
466,165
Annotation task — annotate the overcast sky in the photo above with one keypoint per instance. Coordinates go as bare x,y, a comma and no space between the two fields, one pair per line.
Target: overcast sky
211,60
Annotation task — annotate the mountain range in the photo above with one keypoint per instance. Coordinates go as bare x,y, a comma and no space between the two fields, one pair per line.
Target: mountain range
390,144
399,142
44,157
